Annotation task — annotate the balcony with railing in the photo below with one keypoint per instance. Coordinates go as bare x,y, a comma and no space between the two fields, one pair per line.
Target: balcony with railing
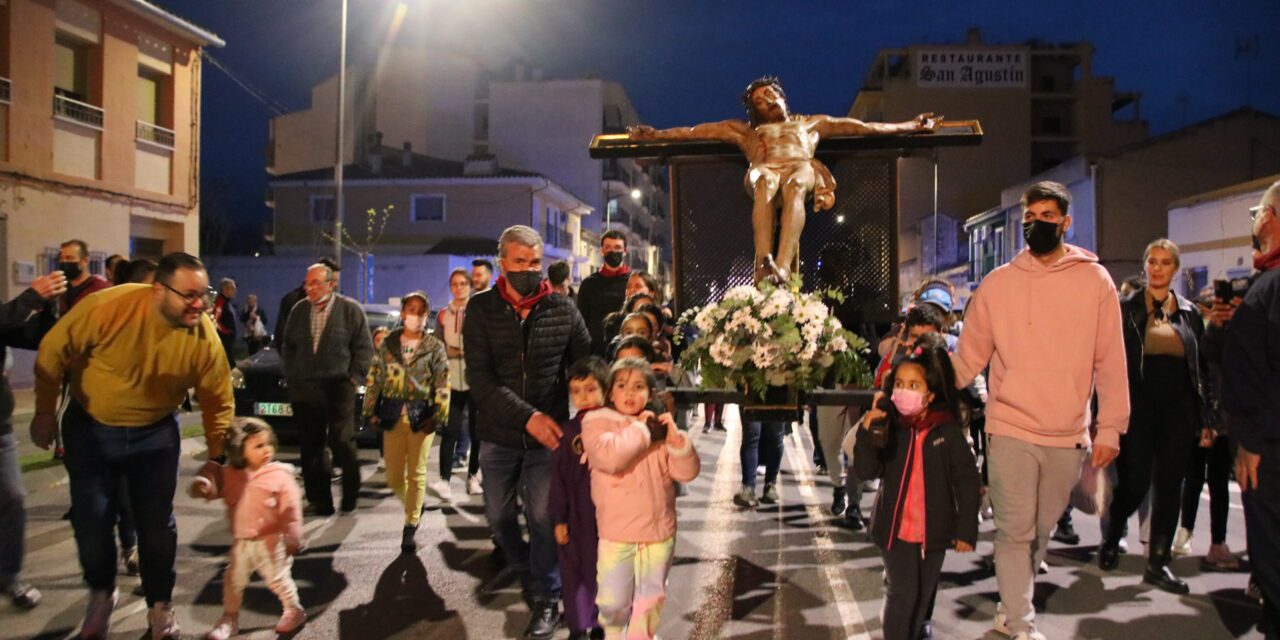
71,110
5,86
154,134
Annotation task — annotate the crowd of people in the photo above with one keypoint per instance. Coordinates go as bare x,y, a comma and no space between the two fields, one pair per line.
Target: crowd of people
552,400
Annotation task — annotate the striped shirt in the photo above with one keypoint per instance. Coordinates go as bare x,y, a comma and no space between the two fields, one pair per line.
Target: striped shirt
319,317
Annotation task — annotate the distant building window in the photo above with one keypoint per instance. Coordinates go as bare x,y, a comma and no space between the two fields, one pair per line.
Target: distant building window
149,96
1051,124
428,207
322,208
1046,84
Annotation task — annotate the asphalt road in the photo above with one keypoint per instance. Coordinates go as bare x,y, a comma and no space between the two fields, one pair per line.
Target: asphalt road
780,572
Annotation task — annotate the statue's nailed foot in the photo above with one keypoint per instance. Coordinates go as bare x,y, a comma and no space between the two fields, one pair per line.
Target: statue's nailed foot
769,270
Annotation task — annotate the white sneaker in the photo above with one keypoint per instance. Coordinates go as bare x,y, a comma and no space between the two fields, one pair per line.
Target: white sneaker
1001,622
228,625
382,464
97,616
162,621
1182,542
441,490
473,485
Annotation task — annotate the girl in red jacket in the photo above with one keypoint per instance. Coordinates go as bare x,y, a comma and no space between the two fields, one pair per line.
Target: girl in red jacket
264,506
928,500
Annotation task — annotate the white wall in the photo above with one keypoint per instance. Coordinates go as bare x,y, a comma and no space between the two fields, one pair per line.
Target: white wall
1215,234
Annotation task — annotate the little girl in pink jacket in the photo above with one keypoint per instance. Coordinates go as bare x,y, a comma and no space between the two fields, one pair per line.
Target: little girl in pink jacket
264,506
633,470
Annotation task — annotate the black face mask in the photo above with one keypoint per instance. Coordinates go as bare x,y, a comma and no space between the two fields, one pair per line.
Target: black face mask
613,259
1042,237
70,269
525,282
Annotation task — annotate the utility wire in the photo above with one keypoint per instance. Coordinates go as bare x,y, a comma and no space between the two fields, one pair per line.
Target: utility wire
275,107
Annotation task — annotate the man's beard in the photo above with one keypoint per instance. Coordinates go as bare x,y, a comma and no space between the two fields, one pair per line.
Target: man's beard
772,113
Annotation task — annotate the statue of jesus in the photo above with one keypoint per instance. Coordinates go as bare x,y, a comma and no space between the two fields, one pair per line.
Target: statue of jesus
782,168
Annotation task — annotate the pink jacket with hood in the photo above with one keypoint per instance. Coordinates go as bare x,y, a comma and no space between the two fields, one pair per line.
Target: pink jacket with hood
631,481
1051,334
259,503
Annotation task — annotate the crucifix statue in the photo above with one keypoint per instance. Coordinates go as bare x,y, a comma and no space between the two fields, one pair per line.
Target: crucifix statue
782,171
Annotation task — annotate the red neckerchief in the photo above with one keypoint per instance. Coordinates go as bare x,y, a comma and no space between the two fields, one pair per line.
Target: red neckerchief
610,272
1267,261
930,419
528,302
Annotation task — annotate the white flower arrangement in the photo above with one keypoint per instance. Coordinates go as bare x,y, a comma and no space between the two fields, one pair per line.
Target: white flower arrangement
757,337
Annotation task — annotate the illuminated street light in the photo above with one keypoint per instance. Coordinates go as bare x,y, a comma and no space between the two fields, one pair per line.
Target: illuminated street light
636,195
840,219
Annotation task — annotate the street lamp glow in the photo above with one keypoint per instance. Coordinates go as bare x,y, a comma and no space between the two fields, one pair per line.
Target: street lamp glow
636,195
840,219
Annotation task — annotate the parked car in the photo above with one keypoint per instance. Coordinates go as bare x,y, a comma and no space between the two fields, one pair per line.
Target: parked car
261,390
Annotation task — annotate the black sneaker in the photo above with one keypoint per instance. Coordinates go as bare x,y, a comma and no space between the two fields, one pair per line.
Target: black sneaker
853,519
926,630
838,501
1066,534
1109,556
322,511
407,543
545,621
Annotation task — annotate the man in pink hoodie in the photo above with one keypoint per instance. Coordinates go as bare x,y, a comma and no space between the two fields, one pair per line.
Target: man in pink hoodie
1048,324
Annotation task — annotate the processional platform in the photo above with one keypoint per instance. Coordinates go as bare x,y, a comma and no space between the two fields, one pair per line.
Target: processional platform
852,247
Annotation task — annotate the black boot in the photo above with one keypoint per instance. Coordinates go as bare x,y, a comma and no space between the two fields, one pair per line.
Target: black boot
838,501
545,622
407,543
1109,555
1065,532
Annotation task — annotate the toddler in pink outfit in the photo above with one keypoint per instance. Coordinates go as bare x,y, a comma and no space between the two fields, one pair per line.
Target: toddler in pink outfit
264,506
635,460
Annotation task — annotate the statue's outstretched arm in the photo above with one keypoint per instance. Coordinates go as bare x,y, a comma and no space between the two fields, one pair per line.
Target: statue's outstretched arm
833,126
731,131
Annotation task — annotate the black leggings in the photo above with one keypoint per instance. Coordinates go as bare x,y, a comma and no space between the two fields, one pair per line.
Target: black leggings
1156,451
1216,460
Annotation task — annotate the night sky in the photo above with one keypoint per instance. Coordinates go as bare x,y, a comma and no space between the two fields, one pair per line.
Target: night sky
685,61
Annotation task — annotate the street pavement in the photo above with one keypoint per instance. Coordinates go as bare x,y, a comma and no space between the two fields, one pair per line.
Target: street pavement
778,572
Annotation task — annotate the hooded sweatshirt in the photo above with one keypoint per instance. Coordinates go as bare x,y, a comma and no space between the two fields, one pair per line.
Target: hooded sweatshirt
1052,334
260,503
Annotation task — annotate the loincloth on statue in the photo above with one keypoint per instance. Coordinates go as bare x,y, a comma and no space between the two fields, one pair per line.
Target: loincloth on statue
777,173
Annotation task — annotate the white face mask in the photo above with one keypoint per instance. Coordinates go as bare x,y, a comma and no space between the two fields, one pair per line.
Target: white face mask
412,324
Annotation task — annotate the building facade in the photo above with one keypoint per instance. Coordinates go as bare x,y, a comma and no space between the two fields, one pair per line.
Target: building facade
1215,234
435,208
99,132
1121,199
457,110
1039,104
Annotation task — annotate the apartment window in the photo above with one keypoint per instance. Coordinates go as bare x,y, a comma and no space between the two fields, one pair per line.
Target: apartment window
1051,125
322,209
148,96
71,68
1046,84
427,207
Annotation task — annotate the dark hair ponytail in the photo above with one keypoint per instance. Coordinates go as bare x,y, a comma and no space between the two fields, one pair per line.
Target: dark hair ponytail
930,353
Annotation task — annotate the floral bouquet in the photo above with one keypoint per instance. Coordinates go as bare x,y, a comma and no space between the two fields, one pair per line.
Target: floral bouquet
765,336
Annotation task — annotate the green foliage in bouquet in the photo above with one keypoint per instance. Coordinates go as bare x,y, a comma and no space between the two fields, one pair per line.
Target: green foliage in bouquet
762,336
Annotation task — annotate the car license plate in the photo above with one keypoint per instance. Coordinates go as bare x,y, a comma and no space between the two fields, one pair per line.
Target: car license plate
272,409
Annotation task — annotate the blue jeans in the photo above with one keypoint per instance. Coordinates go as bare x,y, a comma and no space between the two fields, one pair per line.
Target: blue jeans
761,440
506,471
98,458
13,512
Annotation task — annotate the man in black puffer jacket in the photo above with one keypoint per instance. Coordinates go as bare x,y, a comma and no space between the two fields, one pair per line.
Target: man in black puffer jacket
521,337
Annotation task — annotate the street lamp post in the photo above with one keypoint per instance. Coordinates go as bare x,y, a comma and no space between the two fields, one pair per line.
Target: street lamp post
337,165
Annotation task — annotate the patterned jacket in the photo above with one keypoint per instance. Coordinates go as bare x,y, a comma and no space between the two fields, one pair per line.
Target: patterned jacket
417,386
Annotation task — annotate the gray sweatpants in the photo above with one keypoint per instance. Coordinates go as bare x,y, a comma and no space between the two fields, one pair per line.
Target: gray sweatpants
1030,486
833,423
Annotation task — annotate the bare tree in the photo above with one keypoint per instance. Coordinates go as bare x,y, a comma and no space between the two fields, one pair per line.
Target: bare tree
375,224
